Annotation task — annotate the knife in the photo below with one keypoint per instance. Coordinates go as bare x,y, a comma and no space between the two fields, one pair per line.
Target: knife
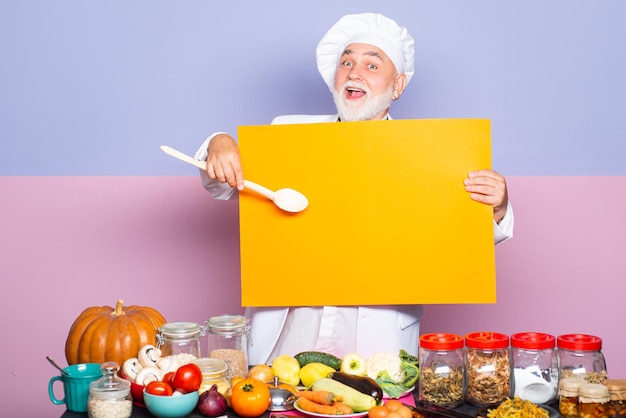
436,411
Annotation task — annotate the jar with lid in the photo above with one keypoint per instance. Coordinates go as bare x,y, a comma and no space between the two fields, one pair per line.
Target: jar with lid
568,396
109,396
617,393
593,400
535,367
487,368
442,371
180,339
228,341
214,372
580,355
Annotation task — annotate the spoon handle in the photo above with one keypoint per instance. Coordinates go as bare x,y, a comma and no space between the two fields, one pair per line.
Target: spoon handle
202,165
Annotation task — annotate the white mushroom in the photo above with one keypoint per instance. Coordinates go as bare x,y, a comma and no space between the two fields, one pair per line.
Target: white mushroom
147,375
149,355
131,367
168,364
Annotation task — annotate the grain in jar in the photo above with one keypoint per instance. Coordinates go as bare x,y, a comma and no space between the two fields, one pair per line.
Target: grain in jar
442,371
109,397
593,400
535,367
228,341
568,396
617,393
180,340
487,368
580,355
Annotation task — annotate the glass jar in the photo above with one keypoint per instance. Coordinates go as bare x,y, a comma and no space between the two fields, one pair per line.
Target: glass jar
442,372
487,368
580,355
228,341
109,396
593,399
568,396
617,393
214,372
180,339
535,367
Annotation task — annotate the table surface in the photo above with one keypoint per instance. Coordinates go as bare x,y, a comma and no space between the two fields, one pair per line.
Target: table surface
139,412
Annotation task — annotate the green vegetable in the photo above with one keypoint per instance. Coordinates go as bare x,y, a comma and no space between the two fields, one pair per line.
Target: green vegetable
307,357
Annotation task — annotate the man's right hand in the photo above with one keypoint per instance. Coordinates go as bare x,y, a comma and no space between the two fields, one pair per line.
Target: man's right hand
223,162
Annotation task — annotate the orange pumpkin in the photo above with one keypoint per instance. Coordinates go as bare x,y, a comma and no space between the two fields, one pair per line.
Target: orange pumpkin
103,333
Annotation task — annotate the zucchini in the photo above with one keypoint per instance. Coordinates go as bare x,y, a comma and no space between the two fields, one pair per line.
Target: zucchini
307,357
359,402
363,384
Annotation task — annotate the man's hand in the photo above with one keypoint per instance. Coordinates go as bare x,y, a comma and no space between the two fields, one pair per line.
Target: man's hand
223,162
488,187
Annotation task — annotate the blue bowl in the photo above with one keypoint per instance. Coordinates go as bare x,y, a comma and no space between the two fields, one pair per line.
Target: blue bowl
175,406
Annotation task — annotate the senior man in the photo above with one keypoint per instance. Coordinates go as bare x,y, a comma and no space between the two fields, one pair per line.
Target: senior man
367,61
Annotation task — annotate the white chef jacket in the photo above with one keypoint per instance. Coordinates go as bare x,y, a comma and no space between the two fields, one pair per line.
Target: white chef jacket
332,329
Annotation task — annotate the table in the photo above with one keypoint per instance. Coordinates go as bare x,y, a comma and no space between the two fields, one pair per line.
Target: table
143,413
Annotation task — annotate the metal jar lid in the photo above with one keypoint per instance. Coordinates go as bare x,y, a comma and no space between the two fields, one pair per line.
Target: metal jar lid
228,325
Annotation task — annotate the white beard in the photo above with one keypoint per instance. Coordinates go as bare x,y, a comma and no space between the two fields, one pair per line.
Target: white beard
353,111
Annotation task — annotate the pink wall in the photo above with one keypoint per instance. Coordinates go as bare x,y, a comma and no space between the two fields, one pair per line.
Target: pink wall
68,243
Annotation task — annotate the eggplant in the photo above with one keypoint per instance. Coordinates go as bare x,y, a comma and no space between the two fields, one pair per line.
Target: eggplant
363,384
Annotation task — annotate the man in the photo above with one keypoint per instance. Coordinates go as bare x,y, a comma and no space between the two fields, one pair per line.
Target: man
367,61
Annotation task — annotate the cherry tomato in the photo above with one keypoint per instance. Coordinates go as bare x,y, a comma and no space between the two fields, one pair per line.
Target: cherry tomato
187,378
169,378
159,389
250,398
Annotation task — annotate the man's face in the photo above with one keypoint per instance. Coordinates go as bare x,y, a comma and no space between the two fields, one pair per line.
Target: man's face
366,82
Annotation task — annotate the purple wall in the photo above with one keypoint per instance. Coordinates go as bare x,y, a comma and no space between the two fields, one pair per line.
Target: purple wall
91,210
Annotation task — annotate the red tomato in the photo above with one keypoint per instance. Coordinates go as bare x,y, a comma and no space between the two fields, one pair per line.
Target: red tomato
187,378
169,378
159,389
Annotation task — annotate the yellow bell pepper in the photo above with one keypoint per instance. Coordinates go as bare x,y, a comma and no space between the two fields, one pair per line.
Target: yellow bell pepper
287,369
312,372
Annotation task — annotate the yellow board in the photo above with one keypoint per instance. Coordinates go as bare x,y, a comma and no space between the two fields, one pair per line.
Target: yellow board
388,221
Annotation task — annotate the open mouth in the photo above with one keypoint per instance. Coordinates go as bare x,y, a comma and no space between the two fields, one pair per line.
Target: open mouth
355,93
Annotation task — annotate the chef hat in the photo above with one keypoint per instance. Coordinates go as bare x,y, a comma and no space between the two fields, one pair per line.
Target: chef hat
366,28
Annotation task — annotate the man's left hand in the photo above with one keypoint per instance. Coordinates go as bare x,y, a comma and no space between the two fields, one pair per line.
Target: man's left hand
488,187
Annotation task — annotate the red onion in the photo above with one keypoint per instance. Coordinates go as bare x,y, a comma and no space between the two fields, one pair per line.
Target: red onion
212,403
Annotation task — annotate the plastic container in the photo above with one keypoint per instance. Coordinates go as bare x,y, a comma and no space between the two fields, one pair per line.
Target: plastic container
593,400
580,355
568,396
109,396
442,371
535,367
487,368
180,339
228,341
617,393
214,372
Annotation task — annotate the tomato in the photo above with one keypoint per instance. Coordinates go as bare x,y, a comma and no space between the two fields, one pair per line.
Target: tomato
187,378
169,378
159,389
250,398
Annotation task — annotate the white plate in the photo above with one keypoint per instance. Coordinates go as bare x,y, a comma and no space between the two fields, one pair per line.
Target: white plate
313,414
406,392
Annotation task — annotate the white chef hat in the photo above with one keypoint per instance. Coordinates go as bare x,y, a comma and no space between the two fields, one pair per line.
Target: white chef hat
366,28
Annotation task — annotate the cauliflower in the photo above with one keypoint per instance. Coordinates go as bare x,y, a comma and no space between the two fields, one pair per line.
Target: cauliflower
378,363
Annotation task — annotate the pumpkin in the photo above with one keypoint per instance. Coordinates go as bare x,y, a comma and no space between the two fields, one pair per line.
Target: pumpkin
103,333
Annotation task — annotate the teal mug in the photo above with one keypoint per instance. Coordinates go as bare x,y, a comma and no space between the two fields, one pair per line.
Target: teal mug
75,385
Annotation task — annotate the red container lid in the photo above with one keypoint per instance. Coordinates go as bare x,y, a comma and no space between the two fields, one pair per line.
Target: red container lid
579,342
533,341
487,340
439,341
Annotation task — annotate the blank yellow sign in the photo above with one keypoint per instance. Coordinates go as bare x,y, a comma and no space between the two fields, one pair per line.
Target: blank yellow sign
388,222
